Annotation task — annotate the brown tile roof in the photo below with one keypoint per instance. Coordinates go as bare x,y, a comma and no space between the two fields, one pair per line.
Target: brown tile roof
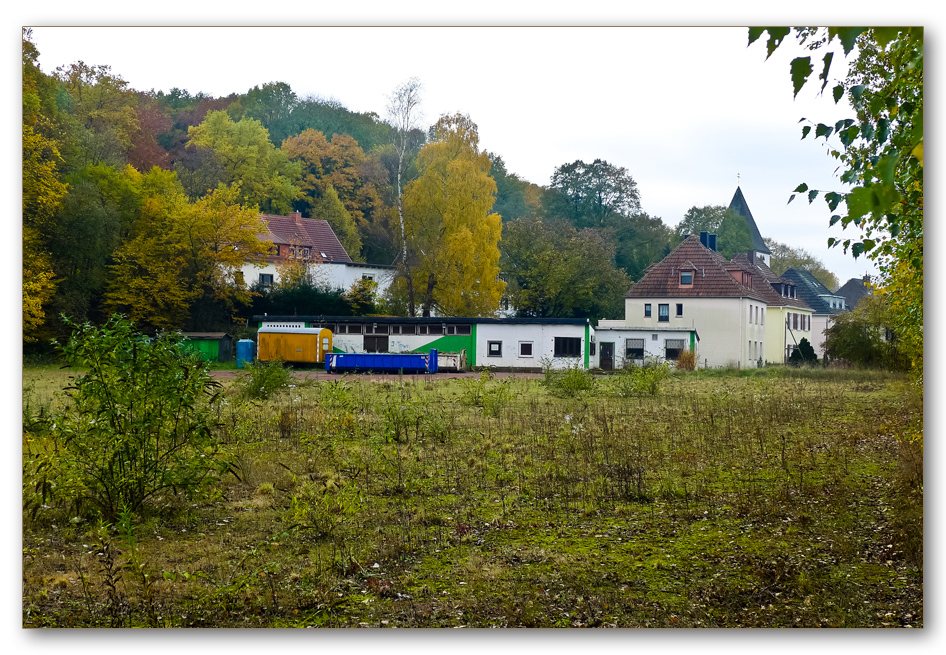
712,278
762,279
305,232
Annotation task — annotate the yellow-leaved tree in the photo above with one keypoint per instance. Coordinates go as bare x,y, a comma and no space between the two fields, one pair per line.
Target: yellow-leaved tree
452,238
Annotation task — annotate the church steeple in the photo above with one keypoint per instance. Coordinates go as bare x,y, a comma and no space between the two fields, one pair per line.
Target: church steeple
739,205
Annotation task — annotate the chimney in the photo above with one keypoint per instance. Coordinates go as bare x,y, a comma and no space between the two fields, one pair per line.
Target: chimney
711,242
703,236
297,216
751,255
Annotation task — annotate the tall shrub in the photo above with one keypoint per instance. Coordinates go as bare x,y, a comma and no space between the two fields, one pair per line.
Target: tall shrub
138,430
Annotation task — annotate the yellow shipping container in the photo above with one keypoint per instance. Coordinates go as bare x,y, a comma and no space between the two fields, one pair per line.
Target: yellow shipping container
298,345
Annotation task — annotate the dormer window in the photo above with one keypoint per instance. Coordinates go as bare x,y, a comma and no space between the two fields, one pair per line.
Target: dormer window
686,278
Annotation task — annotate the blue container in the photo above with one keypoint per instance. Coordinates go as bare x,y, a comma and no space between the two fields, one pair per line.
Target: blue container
245,352
381,363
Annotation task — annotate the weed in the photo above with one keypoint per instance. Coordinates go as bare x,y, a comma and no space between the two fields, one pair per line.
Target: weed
263,380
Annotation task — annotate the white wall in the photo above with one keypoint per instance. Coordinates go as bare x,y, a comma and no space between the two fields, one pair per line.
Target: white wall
729,332
654,348
332,276
542,338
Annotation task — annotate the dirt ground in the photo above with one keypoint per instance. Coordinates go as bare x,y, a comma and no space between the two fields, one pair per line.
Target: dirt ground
321,375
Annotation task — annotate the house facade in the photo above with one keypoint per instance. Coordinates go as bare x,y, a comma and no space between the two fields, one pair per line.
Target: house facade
313,242
824,303
787,317
696,287
617,346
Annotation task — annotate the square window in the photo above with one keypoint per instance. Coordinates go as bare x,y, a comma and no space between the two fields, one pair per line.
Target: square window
525,349
647,310
653,337
634,349
494,348
673,348
663,313
266,279
686,278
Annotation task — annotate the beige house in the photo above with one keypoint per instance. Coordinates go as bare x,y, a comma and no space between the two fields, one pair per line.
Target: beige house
787,317
696,287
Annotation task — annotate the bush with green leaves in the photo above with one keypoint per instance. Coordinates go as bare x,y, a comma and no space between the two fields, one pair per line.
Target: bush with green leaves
568,381
138,430
640,380
265,379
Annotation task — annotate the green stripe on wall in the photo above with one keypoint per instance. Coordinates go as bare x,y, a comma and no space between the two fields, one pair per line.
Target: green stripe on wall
587,343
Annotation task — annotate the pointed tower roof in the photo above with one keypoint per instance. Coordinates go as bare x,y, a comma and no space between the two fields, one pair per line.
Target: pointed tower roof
741,207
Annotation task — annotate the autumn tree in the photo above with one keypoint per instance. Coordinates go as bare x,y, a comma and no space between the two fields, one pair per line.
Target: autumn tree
639,240
785,257
451,235
265,175
103,109
555,270
180,266
43,188
330,209
339,164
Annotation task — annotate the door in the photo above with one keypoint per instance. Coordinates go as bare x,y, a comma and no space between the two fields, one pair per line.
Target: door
607,356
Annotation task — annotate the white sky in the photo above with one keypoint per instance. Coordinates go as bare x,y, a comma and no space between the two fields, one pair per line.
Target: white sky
684,110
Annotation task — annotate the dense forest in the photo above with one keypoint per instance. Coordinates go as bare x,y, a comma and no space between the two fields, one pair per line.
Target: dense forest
145,203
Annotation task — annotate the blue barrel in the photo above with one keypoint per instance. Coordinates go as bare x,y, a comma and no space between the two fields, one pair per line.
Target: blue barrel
245,352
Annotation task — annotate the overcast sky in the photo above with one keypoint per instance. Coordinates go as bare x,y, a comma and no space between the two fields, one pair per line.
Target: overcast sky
684,110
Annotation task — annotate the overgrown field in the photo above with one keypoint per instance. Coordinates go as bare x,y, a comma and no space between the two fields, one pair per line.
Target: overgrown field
779,499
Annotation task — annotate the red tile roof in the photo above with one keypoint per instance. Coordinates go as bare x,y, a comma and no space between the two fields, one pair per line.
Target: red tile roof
712,278
762,279
307,233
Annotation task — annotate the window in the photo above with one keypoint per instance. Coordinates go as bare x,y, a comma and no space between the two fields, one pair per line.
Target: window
647,310
567,347
463,329
673,348
634,349
679,309
353,328
366,276
435,329
525,349
266,280
494,348
686,278
653,337
663,313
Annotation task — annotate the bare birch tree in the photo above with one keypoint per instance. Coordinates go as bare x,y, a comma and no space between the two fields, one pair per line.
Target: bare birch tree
404,115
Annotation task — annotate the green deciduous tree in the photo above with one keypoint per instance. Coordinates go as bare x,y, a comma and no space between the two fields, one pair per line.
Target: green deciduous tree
329,208
554,270
863,336
732,235
701,219
452,236
590,195
266,176
880,152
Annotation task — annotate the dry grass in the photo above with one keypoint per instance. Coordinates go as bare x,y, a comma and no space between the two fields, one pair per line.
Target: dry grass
725,500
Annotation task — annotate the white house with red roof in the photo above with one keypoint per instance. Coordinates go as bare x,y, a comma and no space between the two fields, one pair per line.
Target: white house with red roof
314,242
